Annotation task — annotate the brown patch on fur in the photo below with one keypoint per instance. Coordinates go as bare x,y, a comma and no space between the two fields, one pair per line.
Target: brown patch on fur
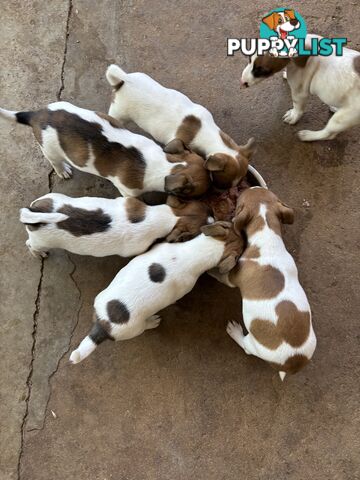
44,205
191,180
135,210
266,65
188,129
175,146
273,222
83,222
192,216
357,64
292,327
251,252
292,365
301,61
113,122
259,282
77,135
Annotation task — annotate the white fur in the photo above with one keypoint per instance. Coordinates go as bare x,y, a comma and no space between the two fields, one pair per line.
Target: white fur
333,79
160,111
143,298
157,166
272,252
121,238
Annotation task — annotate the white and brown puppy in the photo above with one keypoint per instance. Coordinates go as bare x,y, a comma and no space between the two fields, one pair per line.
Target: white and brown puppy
334,79
154,280
101,226
94,143
175,121
275,309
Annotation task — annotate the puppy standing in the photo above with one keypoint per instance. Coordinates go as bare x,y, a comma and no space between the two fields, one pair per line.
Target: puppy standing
174,120
101,227
154,280
94,143
334,79
276,311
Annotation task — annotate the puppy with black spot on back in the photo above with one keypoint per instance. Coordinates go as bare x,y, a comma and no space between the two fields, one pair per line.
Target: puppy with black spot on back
335,79
101,226
275,308
95,143
175,121
154,280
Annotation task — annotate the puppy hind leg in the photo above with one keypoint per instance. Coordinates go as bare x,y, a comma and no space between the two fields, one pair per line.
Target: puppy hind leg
342,119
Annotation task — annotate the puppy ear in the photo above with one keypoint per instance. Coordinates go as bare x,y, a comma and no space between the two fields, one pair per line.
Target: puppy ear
217,229
291,13
114,75
175,202
286,214
241,220
175,181
227,264
178,235
175,146
249,148
270,20
215,163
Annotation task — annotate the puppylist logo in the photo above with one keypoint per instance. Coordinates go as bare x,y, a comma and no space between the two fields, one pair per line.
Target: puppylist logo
283,34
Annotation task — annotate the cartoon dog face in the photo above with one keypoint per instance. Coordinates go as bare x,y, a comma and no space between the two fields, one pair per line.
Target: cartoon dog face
282,22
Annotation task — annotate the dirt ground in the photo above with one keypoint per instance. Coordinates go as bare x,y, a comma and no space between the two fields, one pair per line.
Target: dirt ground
182,401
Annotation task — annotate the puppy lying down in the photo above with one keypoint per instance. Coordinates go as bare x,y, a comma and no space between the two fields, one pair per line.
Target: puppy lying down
334,79
154,280
101,227
174,120
95,143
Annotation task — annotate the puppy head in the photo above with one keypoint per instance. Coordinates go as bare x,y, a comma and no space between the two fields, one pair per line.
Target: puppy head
247,215
114,76
190,179
234,244
261,67
227,170
193,214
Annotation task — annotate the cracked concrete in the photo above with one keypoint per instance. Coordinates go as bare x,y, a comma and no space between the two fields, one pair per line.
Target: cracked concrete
183,400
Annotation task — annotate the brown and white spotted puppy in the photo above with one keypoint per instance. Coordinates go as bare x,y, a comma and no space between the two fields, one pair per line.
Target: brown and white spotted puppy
101,227
334,79
175,121
94,143
154,280
275,308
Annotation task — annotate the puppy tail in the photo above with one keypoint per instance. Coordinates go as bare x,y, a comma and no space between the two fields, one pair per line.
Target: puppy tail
115,75
29,218
98,334
282,375
17,117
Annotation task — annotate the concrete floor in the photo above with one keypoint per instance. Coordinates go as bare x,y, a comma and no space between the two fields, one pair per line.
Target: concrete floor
181,401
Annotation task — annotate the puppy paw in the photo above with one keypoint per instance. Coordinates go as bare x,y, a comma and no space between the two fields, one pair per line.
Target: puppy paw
75,357
291,116
307,135
235,331
153,322
66,173
37,253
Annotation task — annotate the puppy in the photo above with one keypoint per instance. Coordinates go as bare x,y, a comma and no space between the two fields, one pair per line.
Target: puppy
94,143
282,22
276,311
174,120
334,79
102,227
154,280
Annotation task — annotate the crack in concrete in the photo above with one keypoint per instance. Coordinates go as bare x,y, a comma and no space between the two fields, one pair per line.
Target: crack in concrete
39,288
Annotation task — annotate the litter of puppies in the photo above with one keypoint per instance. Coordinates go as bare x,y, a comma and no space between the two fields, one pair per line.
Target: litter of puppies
219,216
